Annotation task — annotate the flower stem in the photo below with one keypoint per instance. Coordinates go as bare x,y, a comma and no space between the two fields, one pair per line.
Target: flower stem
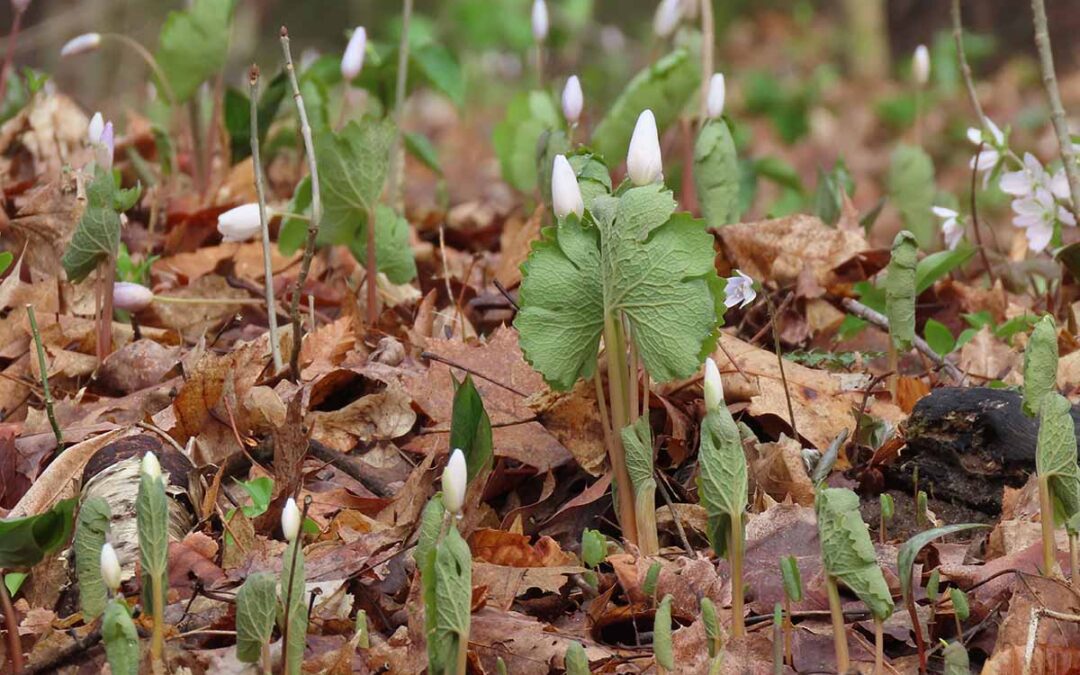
146,56
316,205
879,646
843,661
1046,515
735,550
780,362
372,275
708,45
157,636
260,190
616,360
47,394
296,543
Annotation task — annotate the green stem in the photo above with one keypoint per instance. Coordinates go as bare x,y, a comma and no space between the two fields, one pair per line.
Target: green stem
268,268
780,363
633,372
42,366
157,637
288,593
735,548
372,275
1046,515
708,46
879,646
788,629
843,661
616,361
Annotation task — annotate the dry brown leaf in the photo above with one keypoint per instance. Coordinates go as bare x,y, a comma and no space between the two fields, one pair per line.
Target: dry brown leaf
137,365
381,416
987,357
514,245
574,419
779,470
514,550
44,224
505,583
527,646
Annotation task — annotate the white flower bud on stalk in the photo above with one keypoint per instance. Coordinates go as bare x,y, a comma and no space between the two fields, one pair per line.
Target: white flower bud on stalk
240,223
643,161
131,297
714,102
95,129
539,20
150,465
352,61
920,65
573,100
714,386
667,18
565,192
110,568
455,480
290,520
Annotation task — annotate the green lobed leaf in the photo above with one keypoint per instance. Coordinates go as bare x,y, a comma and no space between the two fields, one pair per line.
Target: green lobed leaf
121,639
900,290
453,602
1040,364
528,117
639,261
789,572
911,187
960,603
152,518
665,87
261,490
939,337
905,558
847,553
593,547
353,164
237,115
662,635
470,428
297,604
722,482
936,265
716,174
956,659
1055,457
438,67
637,444
256,607
91,532
97,235
194,43
712,625
576,661
24,542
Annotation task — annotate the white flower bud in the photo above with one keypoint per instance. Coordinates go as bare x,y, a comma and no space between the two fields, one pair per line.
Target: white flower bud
573,100
714,102
290,520
240,223
131,297
106,147
352,61
565,192
920,65
87,42
643,161
539,20
455,479
714,386
95,129
110,567
667,18
150,465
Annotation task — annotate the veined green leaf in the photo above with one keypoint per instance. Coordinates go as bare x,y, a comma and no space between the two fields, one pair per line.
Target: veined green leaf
662,635
789,572
256,607
639,261
722,483
438,67
712,625
1055,457
847,552
637,443
905,558
152,518
576,661
956,659
831,189
121,639
470,428
91,530
420,147
911,187
24,542
716,174
593,547
939,337
528,117
297,604
453,601
900,290
664,87
97,235
1040,364
352,170
960,603
194,43
237,115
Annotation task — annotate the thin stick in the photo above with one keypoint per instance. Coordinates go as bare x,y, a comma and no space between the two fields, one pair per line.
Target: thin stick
662,485
316,206
708,45
372,274
177,300
260,190
397,155
881,321
780,361
9,57
1033,630
453,364
843,661
311,312
11,624
1057,111
965,69
47,395
1046,515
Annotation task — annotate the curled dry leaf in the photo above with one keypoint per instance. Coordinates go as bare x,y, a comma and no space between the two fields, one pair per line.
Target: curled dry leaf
779,470
514,550
381,416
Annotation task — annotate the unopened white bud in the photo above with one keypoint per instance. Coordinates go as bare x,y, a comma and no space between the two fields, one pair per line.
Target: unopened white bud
667,18
352,61
714,102
713,386
110,567
455,480
87,42
539,20
290,520
643,161
106,147
95,128
573,100
920,65
131,297
240,223
565,192
151,466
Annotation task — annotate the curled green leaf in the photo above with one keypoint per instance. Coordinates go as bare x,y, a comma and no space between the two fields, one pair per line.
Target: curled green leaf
652,577
789,571
712,625
593,547
905,558
152,518
716,174
576,660
1040,364
847,552
1055,457
960,603
956,659
888,506
256,608
470,428
453,602
296,604
662,635
91,531
722,482
900,290
932,585
121,639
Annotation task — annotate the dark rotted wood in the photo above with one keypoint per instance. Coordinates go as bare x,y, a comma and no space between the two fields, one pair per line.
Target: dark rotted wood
175,463
968,443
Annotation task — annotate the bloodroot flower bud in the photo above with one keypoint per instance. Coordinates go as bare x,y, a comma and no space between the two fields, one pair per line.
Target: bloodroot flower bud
714,103
106,147
643,161
290,520
131,297
565,193
455,479
667,18
150,465
352,61
920,65
240,224
110,568
714,386
87,42
573,100
95,129
539,20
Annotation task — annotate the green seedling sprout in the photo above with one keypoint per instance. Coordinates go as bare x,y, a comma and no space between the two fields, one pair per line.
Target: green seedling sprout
43,369
900,301
152,518
888,510
256,610
1059,477
793,592
778,639
363,635
91,534
932,593
295,614
1040,364
593,552
848,556
117,629
637,443
961,609
713,635
922,509
665,658
723,486
652,578
576,661
500,666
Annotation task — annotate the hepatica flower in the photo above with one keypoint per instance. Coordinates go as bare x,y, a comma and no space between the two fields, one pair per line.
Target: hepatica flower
739,290
573,100
1038,213
1033,176
951,228
667,17
993,144
455,481
87,42
539,20
95,129
352,60
714,103
920,65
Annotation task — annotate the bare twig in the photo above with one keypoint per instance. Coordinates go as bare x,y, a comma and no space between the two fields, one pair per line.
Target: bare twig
780,361
43,367
397,155
453,364
881,321
965,69
1033,630
256,167
1057,111
662,484
316,206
